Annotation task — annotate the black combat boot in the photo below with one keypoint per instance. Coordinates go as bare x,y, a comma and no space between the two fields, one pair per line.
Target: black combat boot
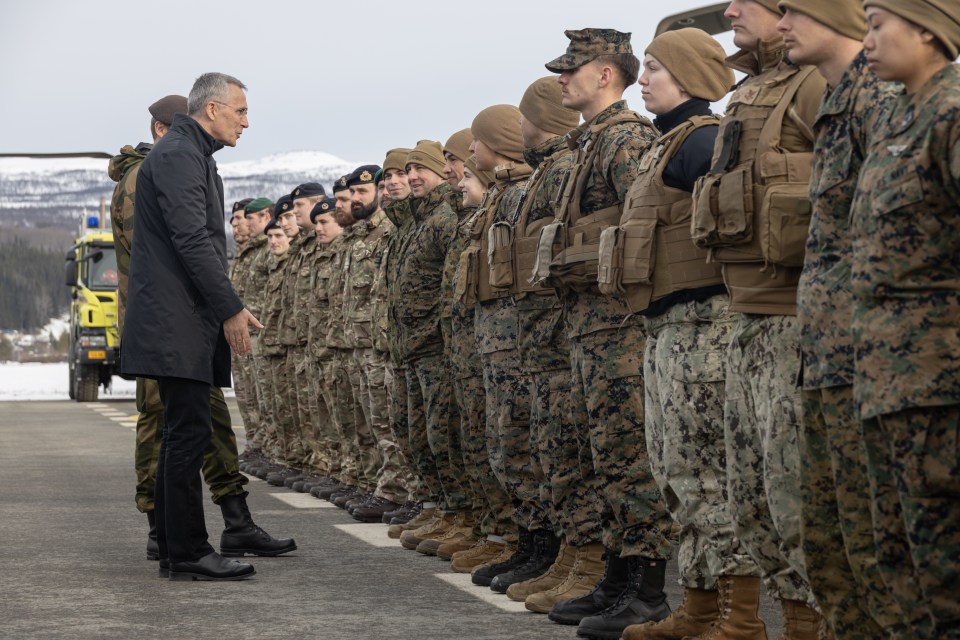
604,595
545,549
241,535
484,575
153,549
642,601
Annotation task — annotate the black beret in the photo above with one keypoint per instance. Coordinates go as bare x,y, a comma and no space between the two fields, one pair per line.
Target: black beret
284,204
164,108
362,175
307,190
327,205
240,204
271,225
341,183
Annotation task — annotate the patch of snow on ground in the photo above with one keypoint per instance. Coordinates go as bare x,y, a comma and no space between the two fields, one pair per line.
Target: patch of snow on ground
48,381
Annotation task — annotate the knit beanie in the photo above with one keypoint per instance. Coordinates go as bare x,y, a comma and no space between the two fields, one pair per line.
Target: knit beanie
429,154
498,127
846,17
459,145
770,4
396,159
695,60
483,176
541,105
939,17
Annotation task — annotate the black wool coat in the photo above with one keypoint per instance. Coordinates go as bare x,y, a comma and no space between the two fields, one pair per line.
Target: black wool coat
179,293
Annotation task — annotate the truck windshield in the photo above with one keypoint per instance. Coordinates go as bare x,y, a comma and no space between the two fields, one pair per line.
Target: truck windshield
102,274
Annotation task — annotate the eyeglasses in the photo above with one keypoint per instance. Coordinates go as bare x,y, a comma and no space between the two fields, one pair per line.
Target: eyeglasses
242,112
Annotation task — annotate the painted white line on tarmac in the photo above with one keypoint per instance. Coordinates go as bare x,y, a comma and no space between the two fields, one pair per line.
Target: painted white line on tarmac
129,424
112,414
373,533
120,418
499,600
302,500
238,428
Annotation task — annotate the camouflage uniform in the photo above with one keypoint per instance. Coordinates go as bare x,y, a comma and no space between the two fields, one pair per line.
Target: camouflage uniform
274,352
221,466
328,447
296,446
488,500
606,346
904,275
836,525
573,508
414,304
255,302
244,373
365,260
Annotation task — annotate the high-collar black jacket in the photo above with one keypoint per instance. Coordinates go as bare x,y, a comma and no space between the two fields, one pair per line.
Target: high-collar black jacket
179,293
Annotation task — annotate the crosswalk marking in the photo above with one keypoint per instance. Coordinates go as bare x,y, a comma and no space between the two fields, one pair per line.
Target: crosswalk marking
302,500
499,600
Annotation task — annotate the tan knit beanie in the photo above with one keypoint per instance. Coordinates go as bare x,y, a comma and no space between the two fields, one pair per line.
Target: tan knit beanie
396,159
429,154
485,177
939,17
458,145
541,105
695,60
770,4
498,127
846,17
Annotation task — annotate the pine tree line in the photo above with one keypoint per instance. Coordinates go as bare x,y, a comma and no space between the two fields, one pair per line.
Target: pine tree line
31,286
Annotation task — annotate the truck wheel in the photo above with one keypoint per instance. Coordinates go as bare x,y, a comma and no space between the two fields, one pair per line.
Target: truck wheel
72,388
88,384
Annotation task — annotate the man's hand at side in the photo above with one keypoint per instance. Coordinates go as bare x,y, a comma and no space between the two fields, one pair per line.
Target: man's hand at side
236,332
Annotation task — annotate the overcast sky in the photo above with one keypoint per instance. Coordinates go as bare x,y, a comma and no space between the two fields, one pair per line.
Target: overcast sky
350,78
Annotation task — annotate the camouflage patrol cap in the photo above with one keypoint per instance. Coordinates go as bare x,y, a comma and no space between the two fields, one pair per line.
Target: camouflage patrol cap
341,183
164,108
362,175
308,190
284,204
258,204
586,45
327,205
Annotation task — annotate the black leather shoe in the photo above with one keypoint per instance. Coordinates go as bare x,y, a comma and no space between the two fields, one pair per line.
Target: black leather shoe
241,534
212,566
642,601
604,595
484,575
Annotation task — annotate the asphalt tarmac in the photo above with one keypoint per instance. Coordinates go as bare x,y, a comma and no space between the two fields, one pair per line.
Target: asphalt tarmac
72,561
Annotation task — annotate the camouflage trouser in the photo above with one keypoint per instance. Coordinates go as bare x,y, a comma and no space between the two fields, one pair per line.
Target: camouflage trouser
683,372
487,496
263,383
369,460
608,388
298,451
573,508
343,466
392,476
322,446
836,524
395,381
761,417
429,408
507,390
221,466
348,415
245,390
280,384
913,464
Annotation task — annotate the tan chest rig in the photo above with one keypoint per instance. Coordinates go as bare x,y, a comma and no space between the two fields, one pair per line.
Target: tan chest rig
527,236
487,269
753,204
568,248
651,254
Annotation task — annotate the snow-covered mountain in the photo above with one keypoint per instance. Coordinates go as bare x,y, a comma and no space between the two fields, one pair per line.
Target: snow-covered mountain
54,192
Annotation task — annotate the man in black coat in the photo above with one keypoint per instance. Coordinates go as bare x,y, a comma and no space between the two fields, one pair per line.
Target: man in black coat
183,314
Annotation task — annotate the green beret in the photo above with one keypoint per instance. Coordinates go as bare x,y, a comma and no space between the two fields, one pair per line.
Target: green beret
258,204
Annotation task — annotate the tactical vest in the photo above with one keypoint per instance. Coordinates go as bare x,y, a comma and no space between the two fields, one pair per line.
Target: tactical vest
568,249
486,270
527,237
753,204
651,254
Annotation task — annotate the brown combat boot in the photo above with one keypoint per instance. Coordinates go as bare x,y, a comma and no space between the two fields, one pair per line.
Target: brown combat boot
479,554
426,515
800,621
586,572
700,608
556,574
739,600
462,530
440,524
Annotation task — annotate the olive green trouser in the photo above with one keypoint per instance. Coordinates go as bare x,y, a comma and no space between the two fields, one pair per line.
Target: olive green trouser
221,468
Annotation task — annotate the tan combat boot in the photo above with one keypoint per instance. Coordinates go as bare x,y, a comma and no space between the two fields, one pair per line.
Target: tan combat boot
440,524
556,574
800,621
585,574
739,601
700,608
480,554
425,516
462,530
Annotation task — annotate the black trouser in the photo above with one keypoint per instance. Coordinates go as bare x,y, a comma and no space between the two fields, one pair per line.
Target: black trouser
181,531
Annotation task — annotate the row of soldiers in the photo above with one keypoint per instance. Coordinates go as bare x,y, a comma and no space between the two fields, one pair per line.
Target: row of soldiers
536,349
